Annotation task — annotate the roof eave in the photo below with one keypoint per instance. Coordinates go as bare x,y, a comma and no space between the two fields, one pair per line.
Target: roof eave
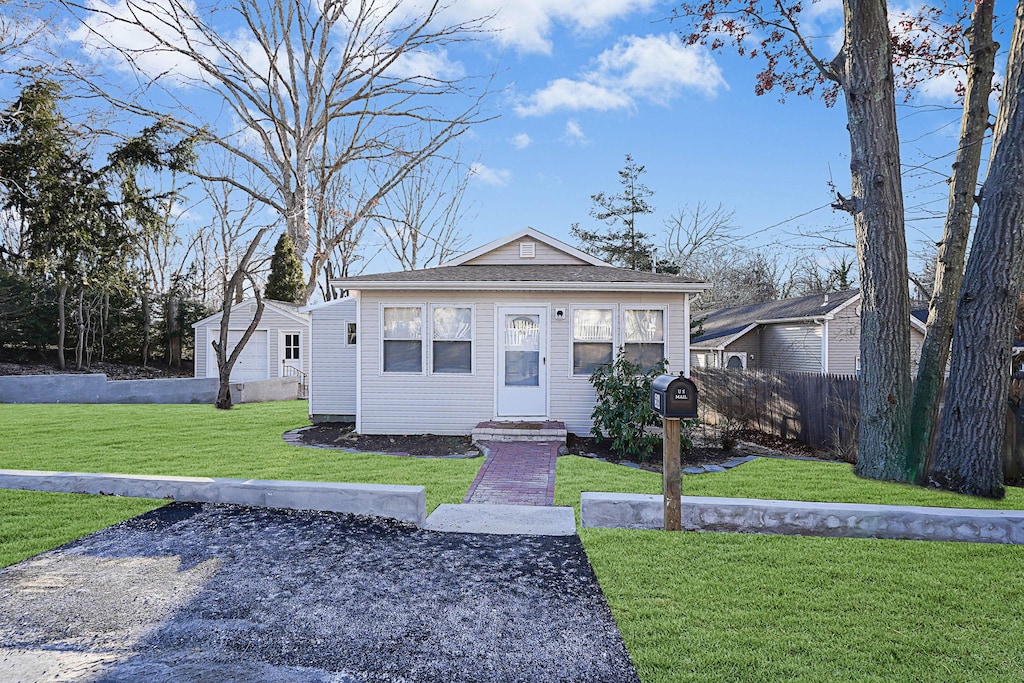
522,285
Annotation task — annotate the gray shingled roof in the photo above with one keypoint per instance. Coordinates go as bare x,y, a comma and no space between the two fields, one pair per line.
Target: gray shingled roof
516,273
726,322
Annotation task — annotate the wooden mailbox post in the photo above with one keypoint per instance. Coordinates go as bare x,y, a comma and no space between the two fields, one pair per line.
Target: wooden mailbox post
673,398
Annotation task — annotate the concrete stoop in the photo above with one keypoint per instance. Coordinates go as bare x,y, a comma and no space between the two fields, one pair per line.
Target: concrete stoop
524,430
525,520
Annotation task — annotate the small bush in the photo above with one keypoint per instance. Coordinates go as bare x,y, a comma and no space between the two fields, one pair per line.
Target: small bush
622,412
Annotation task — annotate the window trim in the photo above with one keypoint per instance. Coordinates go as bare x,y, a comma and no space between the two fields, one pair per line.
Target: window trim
380,347
472,340
664,324
614,308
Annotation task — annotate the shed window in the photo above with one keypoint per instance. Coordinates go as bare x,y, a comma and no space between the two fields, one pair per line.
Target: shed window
291,346
591,339
453,339
645,336
350,334
403,339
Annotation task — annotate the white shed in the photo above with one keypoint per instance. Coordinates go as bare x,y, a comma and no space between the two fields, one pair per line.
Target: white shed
278,348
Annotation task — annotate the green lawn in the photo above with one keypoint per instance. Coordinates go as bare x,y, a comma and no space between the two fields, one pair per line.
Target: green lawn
733,607
184,440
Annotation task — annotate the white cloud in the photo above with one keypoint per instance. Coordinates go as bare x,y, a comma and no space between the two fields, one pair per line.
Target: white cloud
526,25
521,140
490,176
654,68
424,64
574,135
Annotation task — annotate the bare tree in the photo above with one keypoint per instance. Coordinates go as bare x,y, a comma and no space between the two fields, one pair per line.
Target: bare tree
226,361
968,455
293,74
419,221
696,233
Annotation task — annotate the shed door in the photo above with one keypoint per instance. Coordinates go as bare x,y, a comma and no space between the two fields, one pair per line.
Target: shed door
252,362
522,362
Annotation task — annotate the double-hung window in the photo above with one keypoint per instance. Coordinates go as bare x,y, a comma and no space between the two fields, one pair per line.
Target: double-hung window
403,339
452,351
644,336
592,339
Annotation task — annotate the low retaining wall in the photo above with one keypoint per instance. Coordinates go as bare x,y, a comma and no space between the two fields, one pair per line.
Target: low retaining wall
405,503
639,511
96,388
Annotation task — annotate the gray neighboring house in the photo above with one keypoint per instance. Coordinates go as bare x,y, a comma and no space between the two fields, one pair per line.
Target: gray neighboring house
816,333
279,347
509,331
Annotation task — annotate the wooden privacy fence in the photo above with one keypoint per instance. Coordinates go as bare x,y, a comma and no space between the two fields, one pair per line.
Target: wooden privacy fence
819,410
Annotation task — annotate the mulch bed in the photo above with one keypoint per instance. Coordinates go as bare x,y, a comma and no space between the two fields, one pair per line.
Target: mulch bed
111,370
342,436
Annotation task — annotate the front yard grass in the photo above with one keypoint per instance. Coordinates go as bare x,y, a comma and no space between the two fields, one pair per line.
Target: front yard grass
182,440
737,607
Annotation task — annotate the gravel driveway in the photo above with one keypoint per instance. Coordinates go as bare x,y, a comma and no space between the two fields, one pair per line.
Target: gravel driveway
197,592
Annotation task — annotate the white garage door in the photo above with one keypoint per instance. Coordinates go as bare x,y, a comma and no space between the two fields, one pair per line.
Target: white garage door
251,363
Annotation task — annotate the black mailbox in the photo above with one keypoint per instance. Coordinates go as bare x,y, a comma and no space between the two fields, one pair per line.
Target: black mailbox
674,396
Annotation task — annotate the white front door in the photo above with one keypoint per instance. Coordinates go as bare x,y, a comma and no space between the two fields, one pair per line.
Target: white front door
522,362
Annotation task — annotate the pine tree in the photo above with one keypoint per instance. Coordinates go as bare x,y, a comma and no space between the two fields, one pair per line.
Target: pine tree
285,282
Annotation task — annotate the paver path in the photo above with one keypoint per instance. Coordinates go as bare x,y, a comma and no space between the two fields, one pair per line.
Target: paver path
516,473
232,594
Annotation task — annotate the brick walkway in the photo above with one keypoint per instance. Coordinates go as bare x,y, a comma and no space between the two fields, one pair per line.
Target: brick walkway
516,473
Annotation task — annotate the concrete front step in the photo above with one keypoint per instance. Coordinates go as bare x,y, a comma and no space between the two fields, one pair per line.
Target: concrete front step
494,430
526,520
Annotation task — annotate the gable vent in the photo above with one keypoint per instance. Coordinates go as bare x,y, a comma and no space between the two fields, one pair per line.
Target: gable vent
527,250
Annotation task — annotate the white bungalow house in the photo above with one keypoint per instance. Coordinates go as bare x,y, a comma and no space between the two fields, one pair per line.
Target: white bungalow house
816,333
509,331
278,348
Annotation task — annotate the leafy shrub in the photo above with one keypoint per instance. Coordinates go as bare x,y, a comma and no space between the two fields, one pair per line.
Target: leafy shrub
622,412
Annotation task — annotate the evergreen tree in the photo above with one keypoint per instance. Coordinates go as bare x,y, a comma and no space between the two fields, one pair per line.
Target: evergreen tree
285,282
621,244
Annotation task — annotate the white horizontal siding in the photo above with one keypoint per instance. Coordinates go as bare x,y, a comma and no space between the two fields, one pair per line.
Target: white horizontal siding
201,350
794,347
333,363
454,404
509,255
844,341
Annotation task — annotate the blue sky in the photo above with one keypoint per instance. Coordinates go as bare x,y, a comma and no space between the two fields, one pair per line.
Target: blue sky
581,83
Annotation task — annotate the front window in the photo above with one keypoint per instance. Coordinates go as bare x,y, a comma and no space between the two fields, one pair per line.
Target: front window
645,336
592,344
291,346
403,339
453,340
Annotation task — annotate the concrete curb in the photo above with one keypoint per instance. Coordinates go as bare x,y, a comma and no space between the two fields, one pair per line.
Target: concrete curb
847,520
404,503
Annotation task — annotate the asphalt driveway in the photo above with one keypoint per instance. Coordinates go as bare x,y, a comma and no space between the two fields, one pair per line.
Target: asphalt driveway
201,592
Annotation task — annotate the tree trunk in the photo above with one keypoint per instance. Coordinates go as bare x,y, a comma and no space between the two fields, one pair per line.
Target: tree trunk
80,326
864,67
949,266
62,326
172,325
969,451
147,322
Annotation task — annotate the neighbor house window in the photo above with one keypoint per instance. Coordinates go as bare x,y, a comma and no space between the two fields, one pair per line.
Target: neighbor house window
403,339
452,339
644,336
291,346
350,334
592,344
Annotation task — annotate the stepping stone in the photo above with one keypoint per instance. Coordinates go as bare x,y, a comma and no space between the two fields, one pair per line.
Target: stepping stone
693,470
630,464
735,462
714,468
